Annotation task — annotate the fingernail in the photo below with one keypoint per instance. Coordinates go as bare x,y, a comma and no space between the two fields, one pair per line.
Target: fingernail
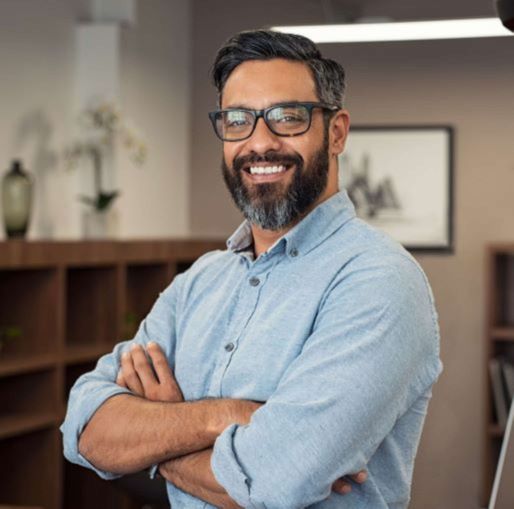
124,355
152,343
362,476
134,346
346,488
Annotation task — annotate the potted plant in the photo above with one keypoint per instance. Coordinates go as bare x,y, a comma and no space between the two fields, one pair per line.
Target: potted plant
101,126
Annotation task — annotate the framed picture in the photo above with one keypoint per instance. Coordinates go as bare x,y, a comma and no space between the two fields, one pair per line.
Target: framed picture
400,180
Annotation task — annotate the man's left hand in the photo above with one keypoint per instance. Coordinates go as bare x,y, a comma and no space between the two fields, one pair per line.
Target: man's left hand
149,377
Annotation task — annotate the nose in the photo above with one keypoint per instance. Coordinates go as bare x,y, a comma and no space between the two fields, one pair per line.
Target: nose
262,139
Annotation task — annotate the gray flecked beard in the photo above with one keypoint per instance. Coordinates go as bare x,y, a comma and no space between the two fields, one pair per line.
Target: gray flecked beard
268,205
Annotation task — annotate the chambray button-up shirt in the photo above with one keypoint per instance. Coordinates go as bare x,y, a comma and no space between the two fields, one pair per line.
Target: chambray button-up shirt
334,327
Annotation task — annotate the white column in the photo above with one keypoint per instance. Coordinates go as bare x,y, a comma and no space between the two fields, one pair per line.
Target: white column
97,80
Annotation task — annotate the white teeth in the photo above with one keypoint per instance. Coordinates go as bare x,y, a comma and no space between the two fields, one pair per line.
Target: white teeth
266,170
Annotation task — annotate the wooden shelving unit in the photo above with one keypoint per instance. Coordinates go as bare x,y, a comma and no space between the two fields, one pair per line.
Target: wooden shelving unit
72,302
499,343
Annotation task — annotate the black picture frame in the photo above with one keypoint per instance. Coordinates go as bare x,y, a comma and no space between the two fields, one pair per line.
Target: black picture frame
401,180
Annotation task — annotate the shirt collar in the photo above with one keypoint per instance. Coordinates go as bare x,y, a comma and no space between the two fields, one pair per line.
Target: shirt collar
241,239
313,229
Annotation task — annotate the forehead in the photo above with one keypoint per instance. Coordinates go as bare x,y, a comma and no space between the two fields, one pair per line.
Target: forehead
259,83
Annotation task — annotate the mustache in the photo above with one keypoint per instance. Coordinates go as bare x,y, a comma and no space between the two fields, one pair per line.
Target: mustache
270,157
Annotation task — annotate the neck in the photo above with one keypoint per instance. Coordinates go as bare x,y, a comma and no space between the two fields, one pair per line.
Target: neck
264,239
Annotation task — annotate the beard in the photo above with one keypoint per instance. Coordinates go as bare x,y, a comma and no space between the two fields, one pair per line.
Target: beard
270,206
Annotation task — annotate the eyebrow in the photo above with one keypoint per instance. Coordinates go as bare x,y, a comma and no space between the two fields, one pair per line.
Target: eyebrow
246,107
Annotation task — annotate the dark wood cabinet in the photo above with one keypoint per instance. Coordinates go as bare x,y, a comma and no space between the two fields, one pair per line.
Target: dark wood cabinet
69,303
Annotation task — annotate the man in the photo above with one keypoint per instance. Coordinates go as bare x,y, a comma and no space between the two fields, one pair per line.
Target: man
305,352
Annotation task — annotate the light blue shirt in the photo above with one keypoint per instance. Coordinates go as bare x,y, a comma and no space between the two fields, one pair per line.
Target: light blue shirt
334,327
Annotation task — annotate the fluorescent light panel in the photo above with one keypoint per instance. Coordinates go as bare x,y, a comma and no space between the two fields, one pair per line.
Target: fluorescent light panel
401,31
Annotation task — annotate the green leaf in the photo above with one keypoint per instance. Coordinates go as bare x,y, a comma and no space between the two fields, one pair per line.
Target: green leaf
104,200
101,202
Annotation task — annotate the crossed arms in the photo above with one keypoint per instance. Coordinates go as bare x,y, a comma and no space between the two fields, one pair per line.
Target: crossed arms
364,365
159,427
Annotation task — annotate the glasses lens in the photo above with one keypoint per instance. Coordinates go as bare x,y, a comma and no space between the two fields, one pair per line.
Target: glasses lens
289,120
234,124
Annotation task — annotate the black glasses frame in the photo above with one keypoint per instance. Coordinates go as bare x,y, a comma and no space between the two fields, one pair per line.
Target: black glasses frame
264,115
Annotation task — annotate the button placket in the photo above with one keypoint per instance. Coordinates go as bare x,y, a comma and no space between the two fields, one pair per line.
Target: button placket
250,298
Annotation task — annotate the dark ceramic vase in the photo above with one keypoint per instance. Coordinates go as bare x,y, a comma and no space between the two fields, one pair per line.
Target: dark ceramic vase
16,200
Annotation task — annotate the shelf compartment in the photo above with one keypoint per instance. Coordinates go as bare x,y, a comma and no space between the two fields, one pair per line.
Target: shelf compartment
144,282
29,303
504,286
83,489
30,469
28,394
92,306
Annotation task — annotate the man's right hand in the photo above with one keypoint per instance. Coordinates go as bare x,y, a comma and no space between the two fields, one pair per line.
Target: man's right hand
159,384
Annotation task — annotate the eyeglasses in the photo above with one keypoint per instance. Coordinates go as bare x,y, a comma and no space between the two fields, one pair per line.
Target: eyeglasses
287,119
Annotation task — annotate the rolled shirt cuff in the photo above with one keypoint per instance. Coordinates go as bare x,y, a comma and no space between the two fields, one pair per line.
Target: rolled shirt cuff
228,472
75,422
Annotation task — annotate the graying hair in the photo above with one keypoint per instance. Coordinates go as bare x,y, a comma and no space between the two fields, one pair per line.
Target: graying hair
328,75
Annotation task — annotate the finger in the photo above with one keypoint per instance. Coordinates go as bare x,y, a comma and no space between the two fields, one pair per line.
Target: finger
160,363
120,380
162,369
342,486
129,374
142,367
359,477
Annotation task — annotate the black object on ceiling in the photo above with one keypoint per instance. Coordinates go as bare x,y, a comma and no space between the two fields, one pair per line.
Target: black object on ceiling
505,9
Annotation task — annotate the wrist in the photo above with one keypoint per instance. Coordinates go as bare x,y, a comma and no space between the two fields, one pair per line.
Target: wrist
220,416
230,411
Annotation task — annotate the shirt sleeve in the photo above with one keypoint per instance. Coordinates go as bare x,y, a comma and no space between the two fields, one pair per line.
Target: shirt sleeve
373,350
92,389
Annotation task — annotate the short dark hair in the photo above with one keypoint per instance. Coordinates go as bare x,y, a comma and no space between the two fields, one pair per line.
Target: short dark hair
328,75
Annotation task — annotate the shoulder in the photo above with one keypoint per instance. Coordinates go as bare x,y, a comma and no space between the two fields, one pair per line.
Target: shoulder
376,271
361,251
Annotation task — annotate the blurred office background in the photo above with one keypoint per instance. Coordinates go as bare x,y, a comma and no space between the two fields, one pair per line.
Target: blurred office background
165,54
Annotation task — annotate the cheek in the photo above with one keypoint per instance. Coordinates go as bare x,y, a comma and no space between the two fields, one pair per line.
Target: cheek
229,154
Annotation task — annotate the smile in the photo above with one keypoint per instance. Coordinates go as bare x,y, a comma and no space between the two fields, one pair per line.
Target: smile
266,170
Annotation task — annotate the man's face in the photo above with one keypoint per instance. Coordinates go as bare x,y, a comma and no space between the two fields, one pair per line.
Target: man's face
277,200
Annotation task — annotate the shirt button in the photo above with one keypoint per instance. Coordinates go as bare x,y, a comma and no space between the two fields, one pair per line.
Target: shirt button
229,347
293,252
254,281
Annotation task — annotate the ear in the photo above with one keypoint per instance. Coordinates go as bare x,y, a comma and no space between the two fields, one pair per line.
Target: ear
338,132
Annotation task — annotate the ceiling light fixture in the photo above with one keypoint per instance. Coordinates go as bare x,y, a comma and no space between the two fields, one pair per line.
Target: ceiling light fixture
400,31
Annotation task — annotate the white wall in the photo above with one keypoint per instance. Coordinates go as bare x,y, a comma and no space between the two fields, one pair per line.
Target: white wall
155,84
37,59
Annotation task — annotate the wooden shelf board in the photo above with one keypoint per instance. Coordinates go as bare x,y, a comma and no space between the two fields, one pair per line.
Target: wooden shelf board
75,354
20,424
14,365
20,507
502,333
